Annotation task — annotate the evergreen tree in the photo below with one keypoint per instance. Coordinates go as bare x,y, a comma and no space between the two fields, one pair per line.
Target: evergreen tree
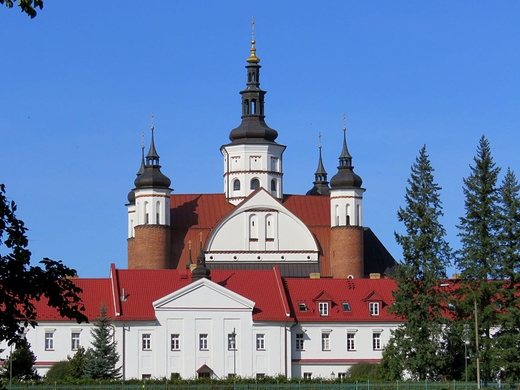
101,360
477,258
77,364
418,344
22,362
507,340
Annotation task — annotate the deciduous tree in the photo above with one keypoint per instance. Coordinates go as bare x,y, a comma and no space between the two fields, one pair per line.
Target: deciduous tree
22,284
27,6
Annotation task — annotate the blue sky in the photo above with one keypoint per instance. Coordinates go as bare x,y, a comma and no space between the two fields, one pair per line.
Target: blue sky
81,79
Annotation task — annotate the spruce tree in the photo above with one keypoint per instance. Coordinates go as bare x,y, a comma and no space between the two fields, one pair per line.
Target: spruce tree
477,259
507,340
418,344
22,361
101,360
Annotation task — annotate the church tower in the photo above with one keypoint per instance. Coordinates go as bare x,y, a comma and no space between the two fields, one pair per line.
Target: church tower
346,211
253,159
149,235
321,185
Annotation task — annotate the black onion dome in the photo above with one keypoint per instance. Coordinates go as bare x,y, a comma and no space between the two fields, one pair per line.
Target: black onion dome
345,178
252,128
152,177
131,197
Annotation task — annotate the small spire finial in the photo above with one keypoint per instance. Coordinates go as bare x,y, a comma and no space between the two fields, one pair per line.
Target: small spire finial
151,121
200,236
344,122
189,245
253,59
319,140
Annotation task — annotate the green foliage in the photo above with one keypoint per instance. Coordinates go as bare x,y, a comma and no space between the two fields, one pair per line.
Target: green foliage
22,362
27,6
418,347
478,259
77,364
364,371
21,284
506,342
101,360
59,371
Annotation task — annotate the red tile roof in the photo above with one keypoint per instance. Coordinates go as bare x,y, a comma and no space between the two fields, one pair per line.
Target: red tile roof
351,291
95,293
143,287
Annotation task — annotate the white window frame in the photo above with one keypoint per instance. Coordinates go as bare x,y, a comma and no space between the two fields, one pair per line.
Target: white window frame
323,308
307,375
373,308
232,342
260,342
300,343
351,341
175,342
75,341
146,342
49,341
376,341
325,341
203,342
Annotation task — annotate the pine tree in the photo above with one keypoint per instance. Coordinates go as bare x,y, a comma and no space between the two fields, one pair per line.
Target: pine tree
101,360
507,340
477,259
22,360
418,345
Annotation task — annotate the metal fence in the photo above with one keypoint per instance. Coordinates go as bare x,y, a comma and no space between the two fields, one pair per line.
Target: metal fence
426,385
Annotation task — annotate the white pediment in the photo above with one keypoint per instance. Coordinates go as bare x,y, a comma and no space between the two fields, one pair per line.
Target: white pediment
261,224
203,294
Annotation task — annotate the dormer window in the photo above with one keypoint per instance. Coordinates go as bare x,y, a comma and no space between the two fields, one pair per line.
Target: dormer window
302,306
323,308
373,308
345,306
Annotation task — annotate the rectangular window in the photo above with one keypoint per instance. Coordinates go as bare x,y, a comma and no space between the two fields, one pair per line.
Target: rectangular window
260,342
146,376
351,341
299,342
373,307
74,341
203,342
342,375
49,341
325,341
232,341
302,306
323,308
260,375
345,306
307,375
146,342
175,342
376,341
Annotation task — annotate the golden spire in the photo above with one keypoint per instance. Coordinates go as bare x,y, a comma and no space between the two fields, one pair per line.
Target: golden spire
253,59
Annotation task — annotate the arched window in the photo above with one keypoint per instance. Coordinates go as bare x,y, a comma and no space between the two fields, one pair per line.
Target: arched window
255,184
273,186
236,185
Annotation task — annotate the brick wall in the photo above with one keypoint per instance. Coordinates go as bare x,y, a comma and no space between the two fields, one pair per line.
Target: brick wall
150,248
346,251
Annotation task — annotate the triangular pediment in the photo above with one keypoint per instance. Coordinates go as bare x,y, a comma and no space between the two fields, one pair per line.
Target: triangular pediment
203,294
373,296
323,296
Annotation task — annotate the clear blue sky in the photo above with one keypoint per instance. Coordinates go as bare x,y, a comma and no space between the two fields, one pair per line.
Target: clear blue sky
80,80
